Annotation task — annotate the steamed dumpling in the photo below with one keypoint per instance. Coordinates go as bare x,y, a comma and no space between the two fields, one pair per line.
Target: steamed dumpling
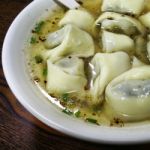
129,94
113,42
66,75
80,18
69,41
106,67
119,23
124,6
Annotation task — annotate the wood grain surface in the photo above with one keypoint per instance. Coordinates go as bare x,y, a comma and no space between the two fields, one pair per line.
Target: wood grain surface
19,130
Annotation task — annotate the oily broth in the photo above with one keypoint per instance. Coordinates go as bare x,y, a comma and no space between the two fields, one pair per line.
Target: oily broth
50,25
94,6
82,109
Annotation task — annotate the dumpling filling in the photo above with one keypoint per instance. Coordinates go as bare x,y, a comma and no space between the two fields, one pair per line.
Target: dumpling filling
132,89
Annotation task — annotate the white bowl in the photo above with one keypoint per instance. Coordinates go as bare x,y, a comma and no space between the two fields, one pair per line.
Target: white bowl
18,78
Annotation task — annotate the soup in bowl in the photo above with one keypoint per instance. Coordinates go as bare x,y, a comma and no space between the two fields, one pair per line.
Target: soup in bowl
83,71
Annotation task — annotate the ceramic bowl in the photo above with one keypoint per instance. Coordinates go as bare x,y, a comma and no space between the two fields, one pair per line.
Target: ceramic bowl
19,80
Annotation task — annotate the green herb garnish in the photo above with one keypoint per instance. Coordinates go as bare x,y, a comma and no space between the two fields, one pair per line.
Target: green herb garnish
38,59
65,97
91,120
33,40
68,112
45,72
38,27
77,114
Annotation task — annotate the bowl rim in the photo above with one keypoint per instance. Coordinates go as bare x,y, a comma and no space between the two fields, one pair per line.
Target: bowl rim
109,138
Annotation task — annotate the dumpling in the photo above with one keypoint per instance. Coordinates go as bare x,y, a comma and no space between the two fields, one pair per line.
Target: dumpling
105,68
137,63
145,19
79,17
129,94
113,42
69,41
124,6
66,75
119,23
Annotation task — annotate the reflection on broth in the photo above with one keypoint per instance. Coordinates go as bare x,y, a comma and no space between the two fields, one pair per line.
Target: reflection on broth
93,62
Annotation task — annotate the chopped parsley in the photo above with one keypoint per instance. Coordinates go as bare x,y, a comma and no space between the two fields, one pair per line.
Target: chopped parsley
77,114
38,59
68,112
91,120
39,26
65,97
33,40
45,72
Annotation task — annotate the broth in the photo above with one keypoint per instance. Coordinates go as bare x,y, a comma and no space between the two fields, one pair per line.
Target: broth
99,113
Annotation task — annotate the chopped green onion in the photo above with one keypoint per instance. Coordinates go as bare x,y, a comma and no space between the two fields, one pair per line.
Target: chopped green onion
38,59
45,72
68,112
33,40
38,27
65,97
91,120
77,114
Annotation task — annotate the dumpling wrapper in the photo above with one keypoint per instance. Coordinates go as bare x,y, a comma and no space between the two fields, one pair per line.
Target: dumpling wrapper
129,94
119,23
113,42
106,68
145,19
124,6
80,17
69,41
65,76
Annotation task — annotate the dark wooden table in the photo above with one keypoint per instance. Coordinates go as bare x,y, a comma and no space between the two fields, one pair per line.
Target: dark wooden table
19,130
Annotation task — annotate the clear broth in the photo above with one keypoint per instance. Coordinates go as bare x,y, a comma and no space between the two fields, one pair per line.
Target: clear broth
98,114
